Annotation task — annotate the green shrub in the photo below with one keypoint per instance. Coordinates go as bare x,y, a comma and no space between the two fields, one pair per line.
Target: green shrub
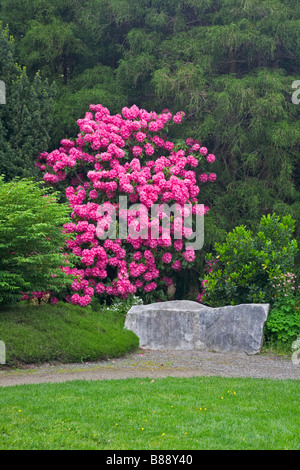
283,322
31,238
245,267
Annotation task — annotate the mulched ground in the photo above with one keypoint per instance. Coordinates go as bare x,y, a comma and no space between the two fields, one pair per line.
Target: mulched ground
157,364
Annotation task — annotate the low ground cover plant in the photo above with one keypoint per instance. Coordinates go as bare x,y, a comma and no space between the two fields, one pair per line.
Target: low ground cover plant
63,332
283,322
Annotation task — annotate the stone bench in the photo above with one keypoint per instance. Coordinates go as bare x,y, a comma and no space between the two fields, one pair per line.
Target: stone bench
187,325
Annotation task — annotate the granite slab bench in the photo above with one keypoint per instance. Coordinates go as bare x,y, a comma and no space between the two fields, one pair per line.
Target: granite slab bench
187,325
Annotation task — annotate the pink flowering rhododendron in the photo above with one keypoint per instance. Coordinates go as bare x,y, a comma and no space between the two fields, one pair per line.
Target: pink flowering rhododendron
127,155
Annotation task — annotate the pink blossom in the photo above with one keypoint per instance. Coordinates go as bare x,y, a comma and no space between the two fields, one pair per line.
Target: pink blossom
150,287
176,266
189,141
167,258
89,291
189,255
212,177
167,280
153,127
141,136
158,141
178,245
192,161
195,147
100,288
149,149
177,118
210,158
169,145
93,194
203,177
137,151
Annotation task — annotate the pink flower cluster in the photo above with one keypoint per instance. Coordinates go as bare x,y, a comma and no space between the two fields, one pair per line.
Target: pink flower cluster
285,284
125,154
40,296
209,268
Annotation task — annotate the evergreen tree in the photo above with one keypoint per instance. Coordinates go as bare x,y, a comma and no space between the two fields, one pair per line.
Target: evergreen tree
31,256
25,119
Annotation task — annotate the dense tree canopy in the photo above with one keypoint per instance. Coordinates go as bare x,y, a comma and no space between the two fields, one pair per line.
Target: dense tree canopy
25,119
229,64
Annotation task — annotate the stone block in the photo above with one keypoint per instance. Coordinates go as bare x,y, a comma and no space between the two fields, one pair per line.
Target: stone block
187,325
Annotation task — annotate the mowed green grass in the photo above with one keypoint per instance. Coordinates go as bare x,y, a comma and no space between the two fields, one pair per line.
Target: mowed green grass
63,332
152,414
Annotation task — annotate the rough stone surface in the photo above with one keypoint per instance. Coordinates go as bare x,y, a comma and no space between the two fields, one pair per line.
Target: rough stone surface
187,325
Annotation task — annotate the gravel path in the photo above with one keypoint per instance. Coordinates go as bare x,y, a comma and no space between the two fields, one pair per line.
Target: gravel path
157,364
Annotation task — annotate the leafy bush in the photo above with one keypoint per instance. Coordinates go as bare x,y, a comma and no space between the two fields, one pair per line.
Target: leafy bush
283,322
245,268
31,237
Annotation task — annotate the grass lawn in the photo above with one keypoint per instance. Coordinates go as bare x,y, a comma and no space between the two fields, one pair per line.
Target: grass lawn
144,414
62,332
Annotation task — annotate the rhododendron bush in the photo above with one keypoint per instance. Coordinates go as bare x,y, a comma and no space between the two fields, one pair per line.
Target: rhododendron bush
127,157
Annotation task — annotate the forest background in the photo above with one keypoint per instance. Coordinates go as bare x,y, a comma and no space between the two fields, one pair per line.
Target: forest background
228,64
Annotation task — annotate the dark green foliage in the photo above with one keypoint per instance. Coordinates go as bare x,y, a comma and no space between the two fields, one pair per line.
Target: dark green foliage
97,85
283,322
246,267
25,119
